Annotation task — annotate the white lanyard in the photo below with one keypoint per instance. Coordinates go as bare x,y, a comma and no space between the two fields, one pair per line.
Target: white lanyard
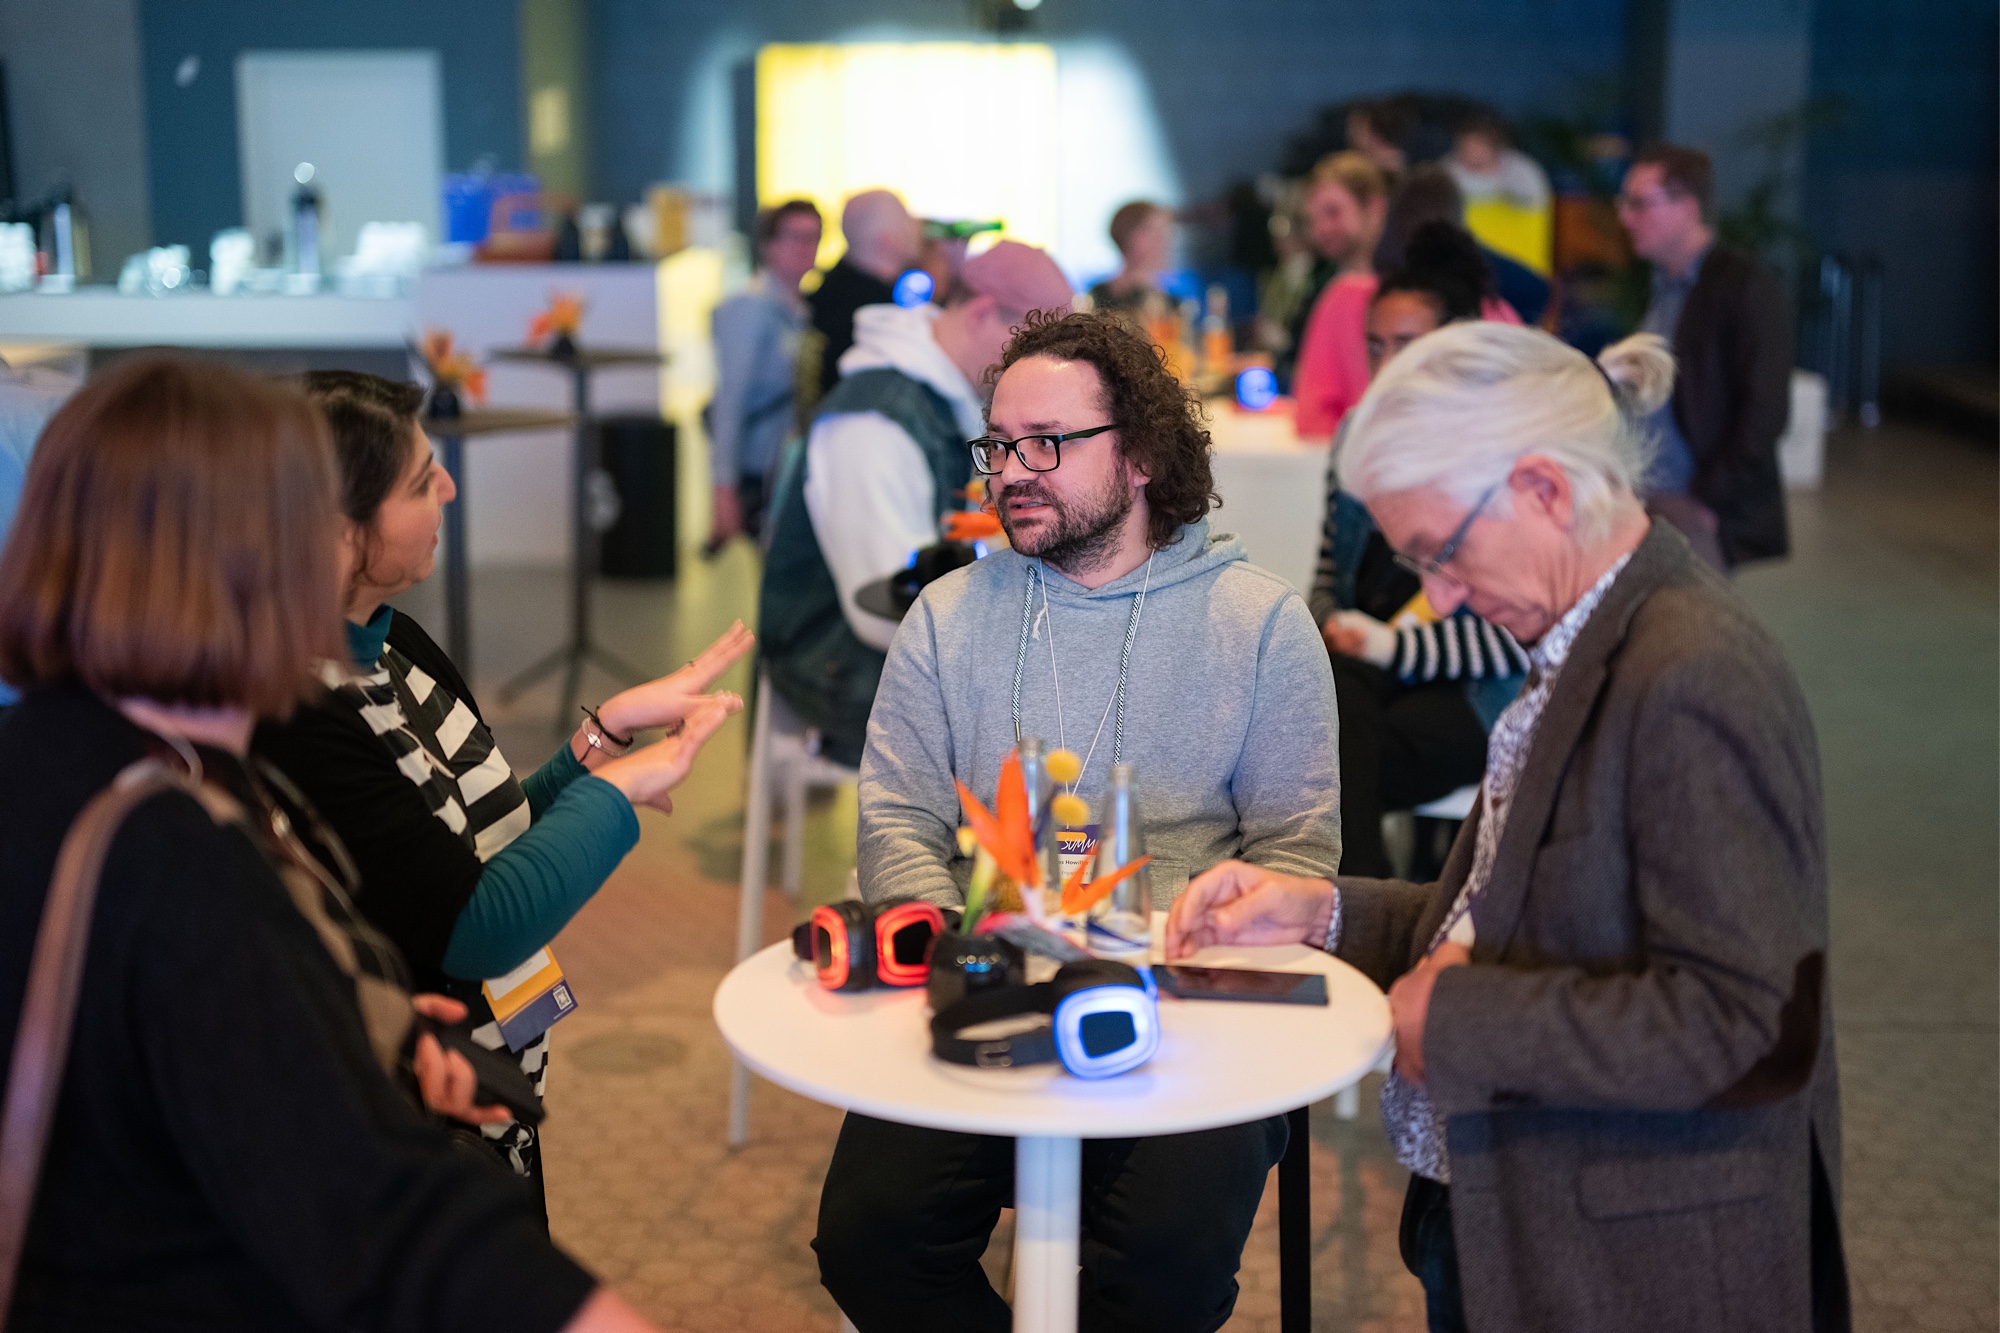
1117,699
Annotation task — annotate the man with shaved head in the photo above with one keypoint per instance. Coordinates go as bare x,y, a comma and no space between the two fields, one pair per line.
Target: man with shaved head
884,460
883,240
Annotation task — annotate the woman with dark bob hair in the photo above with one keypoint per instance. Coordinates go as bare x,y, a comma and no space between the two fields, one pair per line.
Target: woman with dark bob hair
470,872
236,1141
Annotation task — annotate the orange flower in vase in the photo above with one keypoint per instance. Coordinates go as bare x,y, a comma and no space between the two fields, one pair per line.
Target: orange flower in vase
1007,874
455,376
558,325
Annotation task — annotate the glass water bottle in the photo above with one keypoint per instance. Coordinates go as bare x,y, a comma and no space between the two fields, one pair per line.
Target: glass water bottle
1127,911
1035,776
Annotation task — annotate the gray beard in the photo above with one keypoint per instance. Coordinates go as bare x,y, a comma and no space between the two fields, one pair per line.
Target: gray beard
1084,534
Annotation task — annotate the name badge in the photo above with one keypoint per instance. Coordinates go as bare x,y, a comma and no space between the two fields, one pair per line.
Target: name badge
1073,847
530,1000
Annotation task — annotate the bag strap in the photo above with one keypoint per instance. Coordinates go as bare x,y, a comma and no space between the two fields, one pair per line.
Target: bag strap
48,1008
55,972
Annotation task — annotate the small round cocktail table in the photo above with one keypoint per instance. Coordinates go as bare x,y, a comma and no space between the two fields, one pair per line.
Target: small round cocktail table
1219,1063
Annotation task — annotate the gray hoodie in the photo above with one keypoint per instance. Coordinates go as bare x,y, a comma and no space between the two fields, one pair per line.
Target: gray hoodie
1230,721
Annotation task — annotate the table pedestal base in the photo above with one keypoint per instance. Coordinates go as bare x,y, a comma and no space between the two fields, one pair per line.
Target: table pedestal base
1048,1175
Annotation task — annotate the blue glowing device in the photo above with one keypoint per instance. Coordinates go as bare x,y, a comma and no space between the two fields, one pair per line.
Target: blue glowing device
1104,1019
1256,388
914,288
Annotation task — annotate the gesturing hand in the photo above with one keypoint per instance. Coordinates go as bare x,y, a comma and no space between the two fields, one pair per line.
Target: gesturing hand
446,1078
1347,640
648,775
663,702
1410,1005
1235,903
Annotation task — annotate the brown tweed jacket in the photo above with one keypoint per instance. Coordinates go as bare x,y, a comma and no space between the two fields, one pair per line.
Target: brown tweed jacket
1637,1069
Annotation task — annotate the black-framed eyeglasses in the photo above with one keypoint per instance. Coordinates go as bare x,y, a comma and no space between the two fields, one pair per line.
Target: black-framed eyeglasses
1038,453
1432,566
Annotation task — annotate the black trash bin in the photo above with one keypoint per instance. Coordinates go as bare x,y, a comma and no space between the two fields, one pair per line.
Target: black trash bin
640,454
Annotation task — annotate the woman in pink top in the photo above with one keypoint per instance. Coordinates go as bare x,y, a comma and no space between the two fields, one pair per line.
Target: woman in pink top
1333,363
1333,355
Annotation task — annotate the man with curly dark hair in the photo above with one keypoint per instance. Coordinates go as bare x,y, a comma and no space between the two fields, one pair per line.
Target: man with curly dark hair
1117,610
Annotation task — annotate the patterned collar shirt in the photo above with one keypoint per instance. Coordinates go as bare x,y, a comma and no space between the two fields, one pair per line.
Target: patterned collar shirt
1415,1129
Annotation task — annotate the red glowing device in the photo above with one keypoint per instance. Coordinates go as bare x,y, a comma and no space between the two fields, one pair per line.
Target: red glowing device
854,946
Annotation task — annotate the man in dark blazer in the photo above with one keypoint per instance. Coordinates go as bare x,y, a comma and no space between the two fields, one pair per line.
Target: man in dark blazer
1716,477
1613,1038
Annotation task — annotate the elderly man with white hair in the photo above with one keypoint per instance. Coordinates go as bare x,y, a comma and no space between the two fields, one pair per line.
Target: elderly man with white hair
883,241
1614,1082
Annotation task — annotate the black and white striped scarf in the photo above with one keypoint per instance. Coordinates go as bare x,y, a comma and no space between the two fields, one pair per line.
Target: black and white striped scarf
443,748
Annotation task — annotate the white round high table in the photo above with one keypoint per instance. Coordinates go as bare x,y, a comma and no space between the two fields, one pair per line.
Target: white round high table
1219,1063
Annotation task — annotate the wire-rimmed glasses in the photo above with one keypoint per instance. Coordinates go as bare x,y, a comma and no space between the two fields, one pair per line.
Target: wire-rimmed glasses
1432,566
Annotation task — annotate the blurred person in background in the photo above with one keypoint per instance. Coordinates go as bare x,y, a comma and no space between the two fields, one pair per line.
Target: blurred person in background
1716,475
1333,353
1377,129
237,1142
28,398
1417,692
756,369
1486,165
1341,209
1283,292
883,242
1144,234
1428,194
884,461
946,245
1615,1084
468,871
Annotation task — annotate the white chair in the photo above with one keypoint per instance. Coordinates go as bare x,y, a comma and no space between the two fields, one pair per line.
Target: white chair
1347,1102
784,754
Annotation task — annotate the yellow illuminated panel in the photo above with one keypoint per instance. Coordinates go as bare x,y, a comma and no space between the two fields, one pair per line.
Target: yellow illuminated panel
959,129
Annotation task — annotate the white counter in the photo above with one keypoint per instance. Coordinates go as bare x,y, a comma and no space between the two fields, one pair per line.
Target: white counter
105,317
517,492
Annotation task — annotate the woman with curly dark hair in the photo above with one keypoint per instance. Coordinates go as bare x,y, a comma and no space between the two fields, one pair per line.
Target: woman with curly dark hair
1119,613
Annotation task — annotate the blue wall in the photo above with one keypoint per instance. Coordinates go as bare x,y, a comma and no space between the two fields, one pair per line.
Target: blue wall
191,131
1910,175
1909,172
1230,80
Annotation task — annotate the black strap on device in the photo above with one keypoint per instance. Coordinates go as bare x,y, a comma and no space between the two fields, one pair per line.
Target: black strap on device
1037,1046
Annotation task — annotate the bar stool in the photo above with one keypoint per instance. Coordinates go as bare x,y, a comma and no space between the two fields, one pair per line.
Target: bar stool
784,754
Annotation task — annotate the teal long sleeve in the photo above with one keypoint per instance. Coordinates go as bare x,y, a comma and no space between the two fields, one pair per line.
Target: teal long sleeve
551,779
529,891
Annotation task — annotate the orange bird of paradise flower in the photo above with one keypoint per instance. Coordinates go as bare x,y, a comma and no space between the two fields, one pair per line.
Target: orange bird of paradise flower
1008,836
564,316
1079,897
451,368
1005,832
970,525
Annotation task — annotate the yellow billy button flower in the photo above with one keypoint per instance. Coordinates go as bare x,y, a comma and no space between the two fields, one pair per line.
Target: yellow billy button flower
1069,809
1063,766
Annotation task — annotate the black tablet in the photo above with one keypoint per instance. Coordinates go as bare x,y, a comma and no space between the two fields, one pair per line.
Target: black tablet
1239,983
